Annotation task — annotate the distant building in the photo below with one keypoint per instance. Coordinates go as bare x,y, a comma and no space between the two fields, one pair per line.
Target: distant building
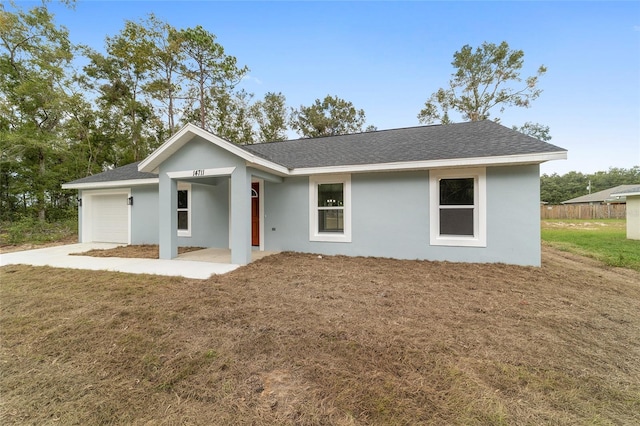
603,197
632,195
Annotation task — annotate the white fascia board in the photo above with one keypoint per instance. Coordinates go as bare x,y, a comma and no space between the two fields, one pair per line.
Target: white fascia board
274,169
110,184
435,164
153,161
625,194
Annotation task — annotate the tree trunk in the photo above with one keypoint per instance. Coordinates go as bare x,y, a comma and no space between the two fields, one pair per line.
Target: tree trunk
41,207
170,105
202,109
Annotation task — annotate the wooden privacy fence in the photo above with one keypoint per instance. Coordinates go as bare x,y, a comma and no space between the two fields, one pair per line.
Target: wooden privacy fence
584,211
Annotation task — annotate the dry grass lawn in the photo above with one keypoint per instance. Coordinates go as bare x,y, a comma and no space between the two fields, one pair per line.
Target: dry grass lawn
298,339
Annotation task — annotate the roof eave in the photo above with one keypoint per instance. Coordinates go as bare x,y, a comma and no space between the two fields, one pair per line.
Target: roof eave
504,160
110,184
626,194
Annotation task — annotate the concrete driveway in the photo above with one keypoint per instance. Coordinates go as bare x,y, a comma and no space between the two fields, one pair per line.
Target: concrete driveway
59,257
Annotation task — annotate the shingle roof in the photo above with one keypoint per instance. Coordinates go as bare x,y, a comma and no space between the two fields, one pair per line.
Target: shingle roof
128,172
424,143
602,196
634,190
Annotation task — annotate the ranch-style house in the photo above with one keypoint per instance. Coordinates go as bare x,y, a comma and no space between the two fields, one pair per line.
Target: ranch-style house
467,192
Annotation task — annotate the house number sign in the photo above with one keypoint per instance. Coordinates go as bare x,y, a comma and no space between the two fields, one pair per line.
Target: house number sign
223,171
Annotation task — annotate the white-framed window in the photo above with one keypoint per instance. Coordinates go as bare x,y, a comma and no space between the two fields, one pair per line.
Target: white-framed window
184,209
330,208
458,206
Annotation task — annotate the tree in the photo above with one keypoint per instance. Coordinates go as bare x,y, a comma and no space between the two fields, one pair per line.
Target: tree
232,119
208,69
535,130
329,117
35,59
271,116
484,79
119,77
167,61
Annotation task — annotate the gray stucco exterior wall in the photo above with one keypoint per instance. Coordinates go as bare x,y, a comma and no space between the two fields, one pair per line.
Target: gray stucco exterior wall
209,216
144,214
513,214
390,218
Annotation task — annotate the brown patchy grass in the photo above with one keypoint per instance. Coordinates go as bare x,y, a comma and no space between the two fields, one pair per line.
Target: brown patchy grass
142,251
298,339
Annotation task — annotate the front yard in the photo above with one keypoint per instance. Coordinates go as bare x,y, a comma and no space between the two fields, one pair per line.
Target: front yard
302,339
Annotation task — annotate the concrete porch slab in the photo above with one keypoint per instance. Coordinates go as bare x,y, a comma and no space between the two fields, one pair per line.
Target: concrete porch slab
59,257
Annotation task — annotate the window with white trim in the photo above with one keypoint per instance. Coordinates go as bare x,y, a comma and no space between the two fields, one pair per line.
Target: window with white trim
330,208
458,207
184,209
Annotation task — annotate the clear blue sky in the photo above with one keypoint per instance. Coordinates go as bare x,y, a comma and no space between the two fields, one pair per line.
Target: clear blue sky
388,57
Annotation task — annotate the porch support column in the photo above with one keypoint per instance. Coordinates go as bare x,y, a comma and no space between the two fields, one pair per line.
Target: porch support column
241,216
168,217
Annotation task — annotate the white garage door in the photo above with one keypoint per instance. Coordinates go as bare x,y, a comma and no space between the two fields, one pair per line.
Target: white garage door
110,218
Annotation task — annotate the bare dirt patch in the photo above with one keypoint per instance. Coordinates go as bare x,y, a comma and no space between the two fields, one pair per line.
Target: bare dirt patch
584,225
138,251
298,339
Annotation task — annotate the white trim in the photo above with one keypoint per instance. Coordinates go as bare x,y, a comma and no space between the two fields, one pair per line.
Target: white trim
185,186
153,161
479,239
198,173
625,194
87,211
314,235
229,212
434,164
110,184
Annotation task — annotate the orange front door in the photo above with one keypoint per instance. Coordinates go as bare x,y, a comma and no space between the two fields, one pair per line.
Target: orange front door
255,214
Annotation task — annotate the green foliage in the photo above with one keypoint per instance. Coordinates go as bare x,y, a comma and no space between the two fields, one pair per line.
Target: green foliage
484,79
31,230
605,240
232,119
271,116
35,59
165,79
329,117
208,70
118,77
555,188
535,130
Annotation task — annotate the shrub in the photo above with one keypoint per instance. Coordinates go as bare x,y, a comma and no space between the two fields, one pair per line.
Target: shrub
31,230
